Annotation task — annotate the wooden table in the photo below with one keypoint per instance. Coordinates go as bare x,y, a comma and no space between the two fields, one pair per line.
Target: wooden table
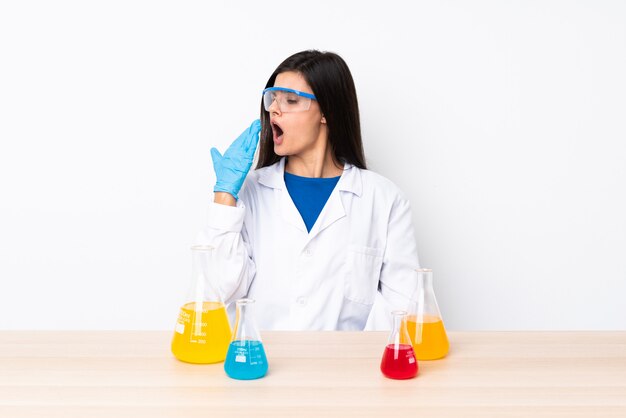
132,374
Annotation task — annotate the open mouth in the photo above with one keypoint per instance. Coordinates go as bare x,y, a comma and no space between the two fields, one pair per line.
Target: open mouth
277,131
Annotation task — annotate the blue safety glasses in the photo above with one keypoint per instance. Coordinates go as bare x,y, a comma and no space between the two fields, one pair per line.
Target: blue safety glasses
288,100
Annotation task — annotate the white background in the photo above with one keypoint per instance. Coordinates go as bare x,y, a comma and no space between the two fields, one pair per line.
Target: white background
504,122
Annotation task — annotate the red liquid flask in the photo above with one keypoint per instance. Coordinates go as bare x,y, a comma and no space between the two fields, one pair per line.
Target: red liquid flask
399,361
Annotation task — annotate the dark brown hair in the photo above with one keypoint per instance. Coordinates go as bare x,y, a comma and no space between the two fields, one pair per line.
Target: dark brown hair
332,84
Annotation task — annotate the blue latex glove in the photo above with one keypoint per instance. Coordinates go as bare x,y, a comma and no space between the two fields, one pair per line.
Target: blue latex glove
232,167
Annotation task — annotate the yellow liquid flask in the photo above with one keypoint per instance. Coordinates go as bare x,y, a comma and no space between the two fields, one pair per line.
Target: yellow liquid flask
202,332
424,323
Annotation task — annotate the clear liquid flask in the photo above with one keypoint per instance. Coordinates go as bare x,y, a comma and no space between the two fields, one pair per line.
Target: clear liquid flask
202,331
399,360
246,356
424,321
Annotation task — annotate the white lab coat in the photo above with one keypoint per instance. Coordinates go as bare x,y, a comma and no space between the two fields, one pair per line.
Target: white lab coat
357,263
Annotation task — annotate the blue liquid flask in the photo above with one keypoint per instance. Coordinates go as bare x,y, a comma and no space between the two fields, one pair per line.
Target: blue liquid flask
246,357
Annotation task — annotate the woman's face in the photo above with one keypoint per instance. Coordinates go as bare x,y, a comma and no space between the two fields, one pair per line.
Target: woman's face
297,133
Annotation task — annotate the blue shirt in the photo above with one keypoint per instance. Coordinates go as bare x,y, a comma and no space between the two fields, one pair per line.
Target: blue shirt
309,194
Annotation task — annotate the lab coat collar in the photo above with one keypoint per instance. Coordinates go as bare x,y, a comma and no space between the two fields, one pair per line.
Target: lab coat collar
350,181
274,177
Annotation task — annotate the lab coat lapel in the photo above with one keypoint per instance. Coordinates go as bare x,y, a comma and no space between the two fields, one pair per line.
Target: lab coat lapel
274,177
290,212
334,210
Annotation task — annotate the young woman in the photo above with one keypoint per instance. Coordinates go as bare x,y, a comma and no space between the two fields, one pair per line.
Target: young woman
318,240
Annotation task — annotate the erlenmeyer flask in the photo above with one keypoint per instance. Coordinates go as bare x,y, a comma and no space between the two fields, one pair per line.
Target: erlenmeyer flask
202,330
424,321
399,361
246,356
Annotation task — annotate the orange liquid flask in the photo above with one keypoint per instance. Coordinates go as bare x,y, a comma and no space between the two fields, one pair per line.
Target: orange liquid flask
424,322
202,332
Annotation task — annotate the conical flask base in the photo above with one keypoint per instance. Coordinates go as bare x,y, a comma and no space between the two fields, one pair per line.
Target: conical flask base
202,333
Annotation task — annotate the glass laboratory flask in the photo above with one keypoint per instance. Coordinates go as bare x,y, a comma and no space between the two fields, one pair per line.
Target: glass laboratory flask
424,321
246,358
202,331
399,360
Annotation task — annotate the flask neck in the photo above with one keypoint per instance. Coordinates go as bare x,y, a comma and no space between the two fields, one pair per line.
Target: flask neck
204,286
424,303
397,317
424,278
399,333
245,328
243,306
